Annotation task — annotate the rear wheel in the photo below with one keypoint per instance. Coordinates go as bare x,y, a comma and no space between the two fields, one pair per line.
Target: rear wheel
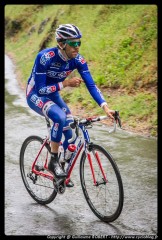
105,198
41,189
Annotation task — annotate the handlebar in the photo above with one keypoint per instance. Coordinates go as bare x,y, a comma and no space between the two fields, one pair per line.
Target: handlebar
87,121
74,126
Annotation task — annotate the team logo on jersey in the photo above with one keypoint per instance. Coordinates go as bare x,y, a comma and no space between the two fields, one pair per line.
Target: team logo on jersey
56,65
81,59
59,75
46,56
37,101
47,90
51,89
64,74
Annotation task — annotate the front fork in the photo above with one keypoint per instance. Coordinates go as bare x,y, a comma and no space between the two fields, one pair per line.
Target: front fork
97,158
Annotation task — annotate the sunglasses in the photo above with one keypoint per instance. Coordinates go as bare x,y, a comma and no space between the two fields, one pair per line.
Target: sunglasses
73,44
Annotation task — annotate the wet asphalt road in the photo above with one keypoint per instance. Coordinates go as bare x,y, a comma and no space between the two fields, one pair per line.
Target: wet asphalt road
69,213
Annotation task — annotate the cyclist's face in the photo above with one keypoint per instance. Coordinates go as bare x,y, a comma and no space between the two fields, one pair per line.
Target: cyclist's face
71,50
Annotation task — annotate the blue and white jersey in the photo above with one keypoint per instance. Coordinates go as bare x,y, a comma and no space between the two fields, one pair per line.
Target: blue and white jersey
51,69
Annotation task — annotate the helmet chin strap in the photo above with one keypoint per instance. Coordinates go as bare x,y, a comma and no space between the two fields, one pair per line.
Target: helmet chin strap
68,58
64,49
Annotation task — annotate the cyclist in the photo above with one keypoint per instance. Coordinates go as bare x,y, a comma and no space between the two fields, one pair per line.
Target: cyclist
49,76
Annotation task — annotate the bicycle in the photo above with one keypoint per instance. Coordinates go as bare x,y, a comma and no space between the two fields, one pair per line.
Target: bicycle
99,174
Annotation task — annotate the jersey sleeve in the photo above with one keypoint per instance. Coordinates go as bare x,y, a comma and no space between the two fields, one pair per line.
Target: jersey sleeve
90,84
39,71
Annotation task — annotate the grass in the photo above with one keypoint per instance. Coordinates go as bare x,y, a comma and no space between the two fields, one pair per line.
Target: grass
119,44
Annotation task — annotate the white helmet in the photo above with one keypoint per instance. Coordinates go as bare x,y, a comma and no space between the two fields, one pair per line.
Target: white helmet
67,31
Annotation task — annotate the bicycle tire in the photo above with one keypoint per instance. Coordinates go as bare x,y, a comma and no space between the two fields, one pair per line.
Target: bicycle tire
42,191
106,199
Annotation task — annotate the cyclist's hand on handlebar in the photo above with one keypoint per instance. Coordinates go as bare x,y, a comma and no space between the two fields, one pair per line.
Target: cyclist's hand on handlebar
110,113
72,82
113,114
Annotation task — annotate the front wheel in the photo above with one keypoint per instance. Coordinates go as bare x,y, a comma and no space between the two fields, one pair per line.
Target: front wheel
41,189
104,195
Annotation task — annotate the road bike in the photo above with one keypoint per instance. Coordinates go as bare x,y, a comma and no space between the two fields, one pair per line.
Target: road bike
99,174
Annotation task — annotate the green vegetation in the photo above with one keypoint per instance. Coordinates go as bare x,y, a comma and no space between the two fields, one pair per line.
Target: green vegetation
119,43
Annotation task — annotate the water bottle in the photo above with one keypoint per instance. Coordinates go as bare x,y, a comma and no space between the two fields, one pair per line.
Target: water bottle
61,153
69,151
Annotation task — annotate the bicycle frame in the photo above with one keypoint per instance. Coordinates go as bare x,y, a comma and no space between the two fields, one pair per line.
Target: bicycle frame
46,175
86,143
104,197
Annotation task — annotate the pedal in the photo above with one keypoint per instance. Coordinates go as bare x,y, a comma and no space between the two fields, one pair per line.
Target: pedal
59,185
30,175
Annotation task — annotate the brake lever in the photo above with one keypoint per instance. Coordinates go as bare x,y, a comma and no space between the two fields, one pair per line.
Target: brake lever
117,118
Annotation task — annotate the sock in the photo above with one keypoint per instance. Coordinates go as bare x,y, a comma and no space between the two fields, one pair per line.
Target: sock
54,156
